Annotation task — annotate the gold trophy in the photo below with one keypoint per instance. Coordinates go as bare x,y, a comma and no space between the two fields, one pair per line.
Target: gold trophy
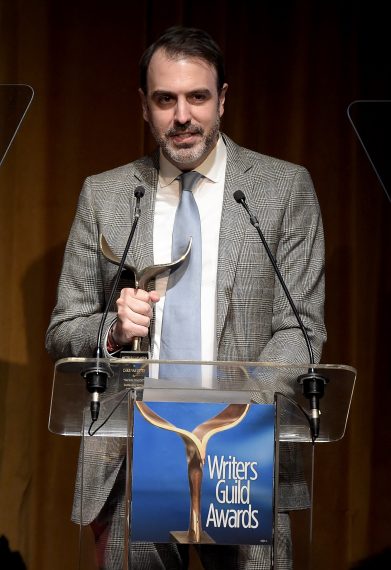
142,278
133,374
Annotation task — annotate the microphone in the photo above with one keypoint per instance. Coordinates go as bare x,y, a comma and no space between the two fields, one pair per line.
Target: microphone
97,376
313,383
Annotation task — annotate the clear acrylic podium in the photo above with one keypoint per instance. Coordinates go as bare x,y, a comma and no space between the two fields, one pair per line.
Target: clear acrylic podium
106,453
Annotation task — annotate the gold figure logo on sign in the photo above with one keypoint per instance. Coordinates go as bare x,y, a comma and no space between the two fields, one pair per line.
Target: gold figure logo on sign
195,443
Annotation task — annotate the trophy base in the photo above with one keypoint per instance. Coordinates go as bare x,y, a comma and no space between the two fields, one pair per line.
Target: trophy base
182,537
132,374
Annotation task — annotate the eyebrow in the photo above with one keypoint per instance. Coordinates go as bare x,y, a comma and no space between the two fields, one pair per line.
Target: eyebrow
160,92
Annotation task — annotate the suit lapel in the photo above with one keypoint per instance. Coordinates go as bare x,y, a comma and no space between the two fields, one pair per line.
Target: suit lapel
120,203
146,175
233,225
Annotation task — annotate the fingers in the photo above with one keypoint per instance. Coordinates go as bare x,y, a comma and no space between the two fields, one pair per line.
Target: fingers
134,314
154,297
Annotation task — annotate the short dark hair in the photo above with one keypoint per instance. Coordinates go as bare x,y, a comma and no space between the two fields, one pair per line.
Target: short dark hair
189,42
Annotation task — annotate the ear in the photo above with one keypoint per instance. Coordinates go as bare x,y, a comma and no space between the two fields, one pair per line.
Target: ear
144,104
222,93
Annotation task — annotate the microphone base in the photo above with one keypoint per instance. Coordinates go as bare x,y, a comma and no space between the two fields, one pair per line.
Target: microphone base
96,381
313,389
96,377
313,384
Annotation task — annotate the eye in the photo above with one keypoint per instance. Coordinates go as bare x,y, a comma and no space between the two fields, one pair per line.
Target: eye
164,99
198,97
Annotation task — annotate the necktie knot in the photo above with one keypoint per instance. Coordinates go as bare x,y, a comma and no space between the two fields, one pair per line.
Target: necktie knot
189,180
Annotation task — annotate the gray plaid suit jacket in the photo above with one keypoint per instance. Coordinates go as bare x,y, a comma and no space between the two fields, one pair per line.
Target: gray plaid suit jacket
254,319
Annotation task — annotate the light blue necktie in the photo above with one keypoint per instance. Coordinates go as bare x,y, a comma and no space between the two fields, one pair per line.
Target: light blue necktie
181,325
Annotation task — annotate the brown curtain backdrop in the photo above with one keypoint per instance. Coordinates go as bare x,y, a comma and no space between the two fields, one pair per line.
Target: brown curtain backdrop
293,68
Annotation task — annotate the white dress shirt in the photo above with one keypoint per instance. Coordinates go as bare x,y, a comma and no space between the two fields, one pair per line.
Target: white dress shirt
208,194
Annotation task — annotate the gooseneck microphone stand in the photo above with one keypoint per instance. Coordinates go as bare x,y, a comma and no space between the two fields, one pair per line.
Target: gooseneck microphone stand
96,377
312,382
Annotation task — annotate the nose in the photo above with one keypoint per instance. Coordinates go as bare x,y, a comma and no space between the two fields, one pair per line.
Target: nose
182,111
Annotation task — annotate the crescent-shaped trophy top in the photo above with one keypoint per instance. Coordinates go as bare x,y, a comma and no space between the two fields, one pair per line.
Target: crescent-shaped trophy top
143,276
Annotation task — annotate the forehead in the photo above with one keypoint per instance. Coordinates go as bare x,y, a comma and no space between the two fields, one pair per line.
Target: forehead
180,73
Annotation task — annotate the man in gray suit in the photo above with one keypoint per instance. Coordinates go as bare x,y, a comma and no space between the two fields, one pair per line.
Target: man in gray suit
244,312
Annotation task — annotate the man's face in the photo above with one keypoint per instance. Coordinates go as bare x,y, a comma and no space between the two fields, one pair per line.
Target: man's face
183,108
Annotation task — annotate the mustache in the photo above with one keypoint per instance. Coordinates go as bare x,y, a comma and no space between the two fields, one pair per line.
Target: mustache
186,128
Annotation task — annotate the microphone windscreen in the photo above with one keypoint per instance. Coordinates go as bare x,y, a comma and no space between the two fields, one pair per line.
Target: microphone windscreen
139,192
239,196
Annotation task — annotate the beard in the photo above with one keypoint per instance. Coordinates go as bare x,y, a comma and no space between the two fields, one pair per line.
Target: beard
186,155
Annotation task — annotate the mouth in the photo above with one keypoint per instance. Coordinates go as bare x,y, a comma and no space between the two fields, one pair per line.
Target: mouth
185,138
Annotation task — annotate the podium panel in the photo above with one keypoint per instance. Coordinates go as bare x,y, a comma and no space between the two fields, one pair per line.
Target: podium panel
213,463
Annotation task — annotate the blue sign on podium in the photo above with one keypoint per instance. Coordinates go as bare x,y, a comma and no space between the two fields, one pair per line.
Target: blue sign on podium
203,473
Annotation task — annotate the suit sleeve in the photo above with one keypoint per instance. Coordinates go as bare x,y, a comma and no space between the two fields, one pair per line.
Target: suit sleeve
300,257
77,315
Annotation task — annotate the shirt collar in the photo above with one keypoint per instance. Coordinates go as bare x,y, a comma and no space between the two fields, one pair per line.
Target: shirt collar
212,168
